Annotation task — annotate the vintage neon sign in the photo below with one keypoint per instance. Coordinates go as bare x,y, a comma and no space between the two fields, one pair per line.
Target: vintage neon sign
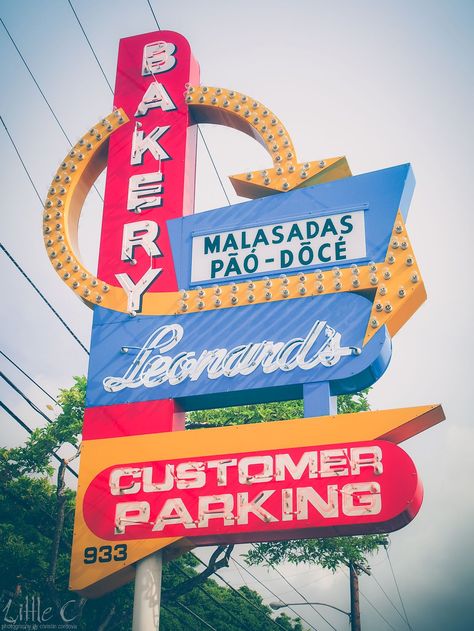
312,284
244,496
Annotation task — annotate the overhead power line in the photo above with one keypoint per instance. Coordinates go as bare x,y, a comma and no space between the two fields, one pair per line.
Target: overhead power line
389,599
209,626
298,592
43,95
25,398
21,160
30,431
199,128
154,16
211,597
35,81
236,591
398,590
90,45
28,377
273,593
43,297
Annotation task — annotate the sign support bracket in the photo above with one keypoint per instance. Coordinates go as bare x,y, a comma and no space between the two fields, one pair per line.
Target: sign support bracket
317,400
147,595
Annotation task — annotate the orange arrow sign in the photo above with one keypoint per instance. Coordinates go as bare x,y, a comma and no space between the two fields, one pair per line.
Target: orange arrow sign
95,577
233,109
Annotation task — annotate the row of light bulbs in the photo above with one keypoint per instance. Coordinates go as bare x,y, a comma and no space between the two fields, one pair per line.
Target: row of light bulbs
267,124
335,275
65,264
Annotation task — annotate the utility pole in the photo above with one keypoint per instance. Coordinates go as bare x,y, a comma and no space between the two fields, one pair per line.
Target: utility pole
355,609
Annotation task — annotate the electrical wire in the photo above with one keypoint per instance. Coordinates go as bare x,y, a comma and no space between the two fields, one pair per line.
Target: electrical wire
154,16
28,377
398,590
30,431
172,613
214,165
389,599
209,626
35,81
21,160
42,94
25,398
211,597
298,592
90,45
272,592
25,275
199,128
255,606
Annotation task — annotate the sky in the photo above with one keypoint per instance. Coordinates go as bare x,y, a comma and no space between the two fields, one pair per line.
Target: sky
381,82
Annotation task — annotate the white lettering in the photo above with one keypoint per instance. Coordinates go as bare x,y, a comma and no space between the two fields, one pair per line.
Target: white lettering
361,498
308,495
372,459
333,461
136,291
284,462
158,57
224,511
131,514
140,234
150,486
255,506
142,143
143,191
242,360
115,481
155,96
190,475
265,475
174,511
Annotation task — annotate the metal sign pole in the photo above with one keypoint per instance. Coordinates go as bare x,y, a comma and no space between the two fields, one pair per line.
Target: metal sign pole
147,597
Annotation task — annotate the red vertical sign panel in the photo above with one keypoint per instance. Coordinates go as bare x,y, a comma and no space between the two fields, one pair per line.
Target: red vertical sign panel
150,179
150,176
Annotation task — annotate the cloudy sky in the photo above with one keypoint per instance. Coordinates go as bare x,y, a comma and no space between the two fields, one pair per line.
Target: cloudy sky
382,82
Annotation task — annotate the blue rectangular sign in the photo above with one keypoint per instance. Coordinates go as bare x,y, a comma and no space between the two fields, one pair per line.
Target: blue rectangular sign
235,355
337,223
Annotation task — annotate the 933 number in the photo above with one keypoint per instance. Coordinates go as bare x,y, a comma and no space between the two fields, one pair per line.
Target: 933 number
105,554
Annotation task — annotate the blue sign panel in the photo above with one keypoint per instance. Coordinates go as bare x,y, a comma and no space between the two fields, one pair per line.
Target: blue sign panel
337,223
252,353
